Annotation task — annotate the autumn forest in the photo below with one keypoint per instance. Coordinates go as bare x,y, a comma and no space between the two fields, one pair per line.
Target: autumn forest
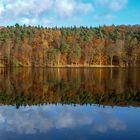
37,46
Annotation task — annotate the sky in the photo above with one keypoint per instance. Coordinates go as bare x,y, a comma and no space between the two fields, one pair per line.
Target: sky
69,12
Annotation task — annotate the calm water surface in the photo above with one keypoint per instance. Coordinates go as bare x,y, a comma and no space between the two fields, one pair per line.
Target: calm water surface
73,104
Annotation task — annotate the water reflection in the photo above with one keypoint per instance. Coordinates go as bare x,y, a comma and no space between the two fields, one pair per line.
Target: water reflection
65,100
71,122
24,86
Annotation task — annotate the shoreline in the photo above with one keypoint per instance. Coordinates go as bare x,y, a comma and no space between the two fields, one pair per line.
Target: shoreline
83,66
70,66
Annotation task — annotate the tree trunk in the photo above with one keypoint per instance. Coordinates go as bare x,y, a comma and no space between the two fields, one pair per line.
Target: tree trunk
111,61
100,59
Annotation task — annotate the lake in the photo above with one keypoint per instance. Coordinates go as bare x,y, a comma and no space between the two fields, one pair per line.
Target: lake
70,103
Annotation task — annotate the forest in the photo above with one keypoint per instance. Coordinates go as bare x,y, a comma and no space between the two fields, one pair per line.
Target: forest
37,46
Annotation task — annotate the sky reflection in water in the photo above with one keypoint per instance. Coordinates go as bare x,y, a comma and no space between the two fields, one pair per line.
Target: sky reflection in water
74,122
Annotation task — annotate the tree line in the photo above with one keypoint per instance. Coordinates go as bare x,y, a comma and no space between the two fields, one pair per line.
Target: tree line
37,46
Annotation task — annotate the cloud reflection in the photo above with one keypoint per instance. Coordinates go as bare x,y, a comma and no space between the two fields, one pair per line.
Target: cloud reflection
31,120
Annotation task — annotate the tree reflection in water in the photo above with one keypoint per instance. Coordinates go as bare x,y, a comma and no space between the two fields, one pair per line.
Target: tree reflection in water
103,86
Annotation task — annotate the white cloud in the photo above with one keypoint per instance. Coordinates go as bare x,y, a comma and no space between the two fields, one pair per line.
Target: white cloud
113,5
1,8
117,5
70,7
24,8
65,7
28,21
49,21
86,7
36,11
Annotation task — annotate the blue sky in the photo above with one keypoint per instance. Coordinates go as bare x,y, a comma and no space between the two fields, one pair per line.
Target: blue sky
69,12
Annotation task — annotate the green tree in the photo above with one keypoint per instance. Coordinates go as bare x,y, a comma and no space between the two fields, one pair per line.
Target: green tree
53,56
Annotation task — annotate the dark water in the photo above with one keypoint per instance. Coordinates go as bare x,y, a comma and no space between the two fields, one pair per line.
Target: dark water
73,104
